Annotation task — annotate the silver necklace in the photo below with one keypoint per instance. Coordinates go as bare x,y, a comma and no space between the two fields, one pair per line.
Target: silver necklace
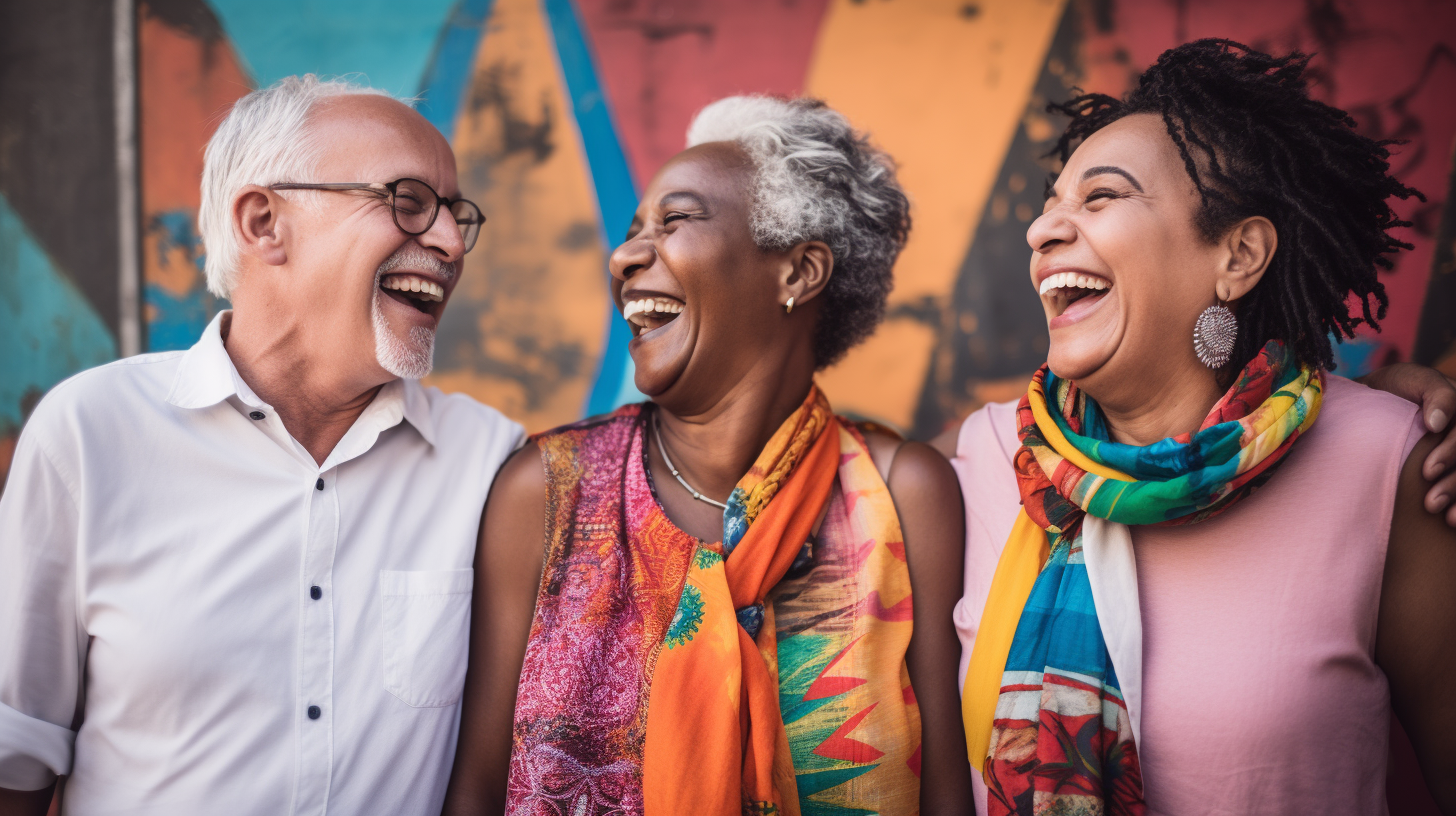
661,448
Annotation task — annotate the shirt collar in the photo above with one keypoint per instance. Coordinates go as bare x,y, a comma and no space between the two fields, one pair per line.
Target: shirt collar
207,376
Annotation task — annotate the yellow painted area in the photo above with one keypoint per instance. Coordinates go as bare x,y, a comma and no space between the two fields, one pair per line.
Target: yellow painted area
941,85
527,320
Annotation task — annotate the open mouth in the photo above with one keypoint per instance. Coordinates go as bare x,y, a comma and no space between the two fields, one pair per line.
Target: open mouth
649,314
421,294
1074,291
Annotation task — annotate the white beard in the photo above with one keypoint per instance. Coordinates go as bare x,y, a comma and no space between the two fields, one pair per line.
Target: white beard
409,359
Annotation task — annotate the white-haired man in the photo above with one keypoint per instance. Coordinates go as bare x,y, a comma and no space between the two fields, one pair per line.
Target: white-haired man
237,579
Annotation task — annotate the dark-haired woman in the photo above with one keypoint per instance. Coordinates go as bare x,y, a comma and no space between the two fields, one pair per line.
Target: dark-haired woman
1198,573
745,604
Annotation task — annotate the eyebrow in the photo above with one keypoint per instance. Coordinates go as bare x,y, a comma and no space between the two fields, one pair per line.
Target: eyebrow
1116,171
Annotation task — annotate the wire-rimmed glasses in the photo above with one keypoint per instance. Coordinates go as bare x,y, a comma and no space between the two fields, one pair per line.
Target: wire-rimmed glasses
414,203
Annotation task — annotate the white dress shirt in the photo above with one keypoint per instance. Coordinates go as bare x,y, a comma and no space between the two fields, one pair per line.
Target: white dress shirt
196,617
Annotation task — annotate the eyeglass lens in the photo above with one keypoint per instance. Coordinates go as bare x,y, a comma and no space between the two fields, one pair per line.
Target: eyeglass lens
416,204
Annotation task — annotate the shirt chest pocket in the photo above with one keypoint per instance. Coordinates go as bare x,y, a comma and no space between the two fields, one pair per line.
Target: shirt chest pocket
426,634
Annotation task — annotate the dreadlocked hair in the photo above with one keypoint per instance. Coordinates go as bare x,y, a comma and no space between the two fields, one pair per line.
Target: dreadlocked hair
1255,143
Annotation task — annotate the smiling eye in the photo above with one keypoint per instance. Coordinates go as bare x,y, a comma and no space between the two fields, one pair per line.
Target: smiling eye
1102,193
675,216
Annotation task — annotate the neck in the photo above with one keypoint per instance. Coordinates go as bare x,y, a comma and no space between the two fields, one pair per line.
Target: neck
317,401
714,446
1175,405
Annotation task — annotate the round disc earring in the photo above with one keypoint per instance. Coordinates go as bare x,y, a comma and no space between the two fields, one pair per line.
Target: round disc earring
1214,335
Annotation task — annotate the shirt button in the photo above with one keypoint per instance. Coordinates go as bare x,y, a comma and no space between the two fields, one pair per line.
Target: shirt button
314,712
315,593
319,485
256,415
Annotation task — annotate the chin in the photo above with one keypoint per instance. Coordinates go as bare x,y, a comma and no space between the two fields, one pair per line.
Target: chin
1077,361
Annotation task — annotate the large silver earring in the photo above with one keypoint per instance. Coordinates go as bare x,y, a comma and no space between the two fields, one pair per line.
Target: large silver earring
1214,335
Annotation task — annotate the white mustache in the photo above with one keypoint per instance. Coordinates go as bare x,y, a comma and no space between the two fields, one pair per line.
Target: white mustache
413,256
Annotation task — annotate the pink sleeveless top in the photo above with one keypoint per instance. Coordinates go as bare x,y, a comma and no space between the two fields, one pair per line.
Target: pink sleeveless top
1260,690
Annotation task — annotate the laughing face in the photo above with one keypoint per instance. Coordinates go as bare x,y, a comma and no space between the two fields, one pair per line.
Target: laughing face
702,299
375,293
1118,262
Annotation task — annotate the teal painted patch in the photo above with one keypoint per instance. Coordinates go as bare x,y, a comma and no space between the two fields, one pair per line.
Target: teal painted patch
1356,357
389,42
48,330
174,323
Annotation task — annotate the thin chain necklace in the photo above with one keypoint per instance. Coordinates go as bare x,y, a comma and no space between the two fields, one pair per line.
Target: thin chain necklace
661,448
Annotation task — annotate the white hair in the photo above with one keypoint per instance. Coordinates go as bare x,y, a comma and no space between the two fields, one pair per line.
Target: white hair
817,179
264,140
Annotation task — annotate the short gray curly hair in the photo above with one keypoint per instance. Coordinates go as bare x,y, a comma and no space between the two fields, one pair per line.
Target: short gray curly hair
819,180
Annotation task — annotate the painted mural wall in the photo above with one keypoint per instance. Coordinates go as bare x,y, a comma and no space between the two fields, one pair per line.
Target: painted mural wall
561,110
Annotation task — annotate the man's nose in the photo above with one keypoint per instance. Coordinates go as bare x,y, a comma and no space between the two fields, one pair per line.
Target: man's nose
444,236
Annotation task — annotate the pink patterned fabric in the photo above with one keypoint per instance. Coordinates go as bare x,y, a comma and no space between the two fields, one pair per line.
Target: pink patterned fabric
601,615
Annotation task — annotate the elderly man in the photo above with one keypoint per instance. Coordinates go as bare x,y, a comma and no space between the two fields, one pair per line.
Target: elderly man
237,579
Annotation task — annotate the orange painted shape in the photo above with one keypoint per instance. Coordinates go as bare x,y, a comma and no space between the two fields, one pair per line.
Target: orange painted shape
524,329
185,87
941,85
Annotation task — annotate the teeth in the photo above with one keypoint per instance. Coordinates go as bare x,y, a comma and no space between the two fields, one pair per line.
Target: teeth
426,289
646,306
1071,280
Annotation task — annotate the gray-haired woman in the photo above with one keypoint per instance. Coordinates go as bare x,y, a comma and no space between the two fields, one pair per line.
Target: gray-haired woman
745,602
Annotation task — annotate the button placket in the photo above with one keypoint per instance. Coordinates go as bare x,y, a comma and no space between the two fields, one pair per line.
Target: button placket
316,649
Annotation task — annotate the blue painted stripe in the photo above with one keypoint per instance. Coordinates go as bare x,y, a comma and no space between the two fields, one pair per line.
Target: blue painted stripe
48,329
447,79
616,195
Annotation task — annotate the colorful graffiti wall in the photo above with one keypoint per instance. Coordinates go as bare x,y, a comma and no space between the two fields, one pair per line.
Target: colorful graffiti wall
561,110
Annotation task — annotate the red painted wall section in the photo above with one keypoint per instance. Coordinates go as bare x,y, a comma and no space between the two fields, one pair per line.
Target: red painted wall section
661,61
1390,63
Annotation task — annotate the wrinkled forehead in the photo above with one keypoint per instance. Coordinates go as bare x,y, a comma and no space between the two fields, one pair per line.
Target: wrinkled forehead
375,138
721,171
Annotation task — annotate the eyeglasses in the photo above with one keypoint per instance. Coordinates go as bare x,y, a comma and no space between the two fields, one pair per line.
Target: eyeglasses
415,205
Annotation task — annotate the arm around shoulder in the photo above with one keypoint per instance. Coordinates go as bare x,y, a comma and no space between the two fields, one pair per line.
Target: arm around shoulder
932,519
1416,637
508,563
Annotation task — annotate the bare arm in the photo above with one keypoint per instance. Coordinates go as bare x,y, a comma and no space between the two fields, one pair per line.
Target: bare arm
928,501
1436,394
1416,637
508,571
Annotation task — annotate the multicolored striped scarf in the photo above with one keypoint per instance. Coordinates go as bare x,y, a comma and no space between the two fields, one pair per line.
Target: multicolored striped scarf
1053,692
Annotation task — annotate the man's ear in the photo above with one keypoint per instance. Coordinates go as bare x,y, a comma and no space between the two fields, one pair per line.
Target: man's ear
257,224
1250,245
806,273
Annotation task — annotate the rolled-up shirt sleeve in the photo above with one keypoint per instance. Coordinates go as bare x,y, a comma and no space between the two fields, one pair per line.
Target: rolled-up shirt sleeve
42,645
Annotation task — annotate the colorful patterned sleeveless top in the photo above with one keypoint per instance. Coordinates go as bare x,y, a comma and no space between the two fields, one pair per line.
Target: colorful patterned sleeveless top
624,706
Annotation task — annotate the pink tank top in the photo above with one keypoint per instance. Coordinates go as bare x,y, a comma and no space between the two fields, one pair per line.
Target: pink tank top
1260,690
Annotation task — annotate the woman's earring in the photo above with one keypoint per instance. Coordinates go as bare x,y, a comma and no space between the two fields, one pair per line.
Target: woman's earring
1214,335
789,307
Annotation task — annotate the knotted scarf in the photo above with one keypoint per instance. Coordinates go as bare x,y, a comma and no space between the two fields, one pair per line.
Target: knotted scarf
850,660
1052,695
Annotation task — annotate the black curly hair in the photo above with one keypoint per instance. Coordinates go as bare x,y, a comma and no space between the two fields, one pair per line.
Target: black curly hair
1255,143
